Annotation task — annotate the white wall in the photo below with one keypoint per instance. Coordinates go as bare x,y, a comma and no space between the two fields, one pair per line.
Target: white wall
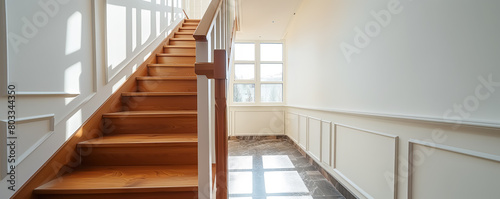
429,57
58,60
195,9
407,114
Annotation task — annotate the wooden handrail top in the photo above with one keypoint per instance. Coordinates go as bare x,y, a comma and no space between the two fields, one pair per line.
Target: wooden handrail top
201,33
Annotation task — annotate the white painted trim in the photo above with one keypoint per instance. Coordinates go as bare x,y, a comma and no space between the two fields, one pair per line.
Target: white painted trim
354,185
233,119
472,123
329,123
309,134
42,93
24,120
334,147
368,131
286,124
396,151
462,151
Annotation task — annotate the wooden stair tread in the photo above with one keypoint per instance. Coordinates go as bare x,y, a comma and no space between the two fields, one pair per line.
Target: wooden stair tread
150,114
175,55
124,179
190,23
166,78
189,47
187,28
182,39
129,140
183,33
157,94
171,65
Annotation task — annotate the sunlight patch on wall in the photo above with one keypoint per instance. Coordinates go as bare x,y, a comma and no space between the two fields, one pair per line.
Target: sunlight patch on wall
72,80
134,29
147,56
74,33
145,25
118,84
116,34
158,20
73,123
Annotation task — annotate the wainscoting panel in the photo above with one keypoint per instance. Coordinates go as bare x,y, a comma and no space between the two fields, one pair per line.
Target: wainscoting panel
326,142
303,132
440,171
258,123
292,126
33,131
366,158
314,140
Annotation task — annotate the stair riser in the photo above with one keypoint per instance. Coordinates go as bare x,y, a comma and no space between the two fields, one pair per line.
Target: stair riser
177,195
167,86
182,43
171,71
180,60
177,154
183,36
159,103
151,125
179,50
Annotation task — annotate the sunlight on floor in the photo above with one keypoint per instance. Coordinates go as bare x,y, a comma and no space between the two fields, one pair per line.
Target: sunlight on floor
242,174
274,169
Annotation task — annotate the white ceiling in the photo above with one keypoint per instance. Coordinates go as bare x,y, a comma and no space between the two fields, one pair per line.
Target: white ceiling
265,19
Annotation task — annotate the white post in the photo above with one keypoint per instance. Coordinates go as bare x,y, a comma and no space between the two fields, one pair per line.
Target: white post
204,115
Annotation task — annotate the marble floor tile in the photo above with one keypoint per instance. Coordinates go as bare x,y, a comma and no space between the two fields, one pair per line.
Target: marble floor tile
274,169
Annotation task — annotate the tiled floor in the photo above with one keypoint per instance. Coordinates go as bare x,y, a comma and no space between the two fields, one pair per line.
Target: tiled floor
274,169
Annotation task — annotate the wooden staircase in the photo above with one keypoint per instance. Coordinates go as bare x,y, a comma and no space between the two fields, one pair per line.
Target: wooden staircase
150,151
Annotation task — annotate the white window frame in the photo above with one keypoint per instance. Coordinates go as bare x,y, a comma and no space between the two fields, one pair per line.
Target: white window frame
257,80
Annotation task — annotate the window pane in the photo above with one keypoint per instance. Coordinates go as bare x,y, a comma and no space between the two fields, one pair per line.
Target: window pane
244,93
244,71
271,72
271,92
244,52
271,52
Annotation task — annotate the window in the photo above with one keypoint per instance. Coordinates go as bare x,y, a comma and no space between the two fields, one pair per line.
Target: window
258,73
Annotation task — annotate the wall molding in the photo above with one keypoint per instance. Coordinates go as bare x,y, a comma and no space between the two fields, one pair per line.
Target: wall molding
395,156
3,131
43,93
306,132
287,120
462,151
309,118
232,119
330,137
482,124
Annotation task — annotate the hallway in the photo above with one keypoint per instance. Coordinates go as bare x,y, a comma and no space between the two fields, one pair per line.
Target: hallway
274,169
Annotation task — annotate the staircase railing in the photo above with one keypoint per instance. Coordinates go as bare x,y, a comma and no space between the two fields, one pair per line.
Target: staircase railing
214,39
